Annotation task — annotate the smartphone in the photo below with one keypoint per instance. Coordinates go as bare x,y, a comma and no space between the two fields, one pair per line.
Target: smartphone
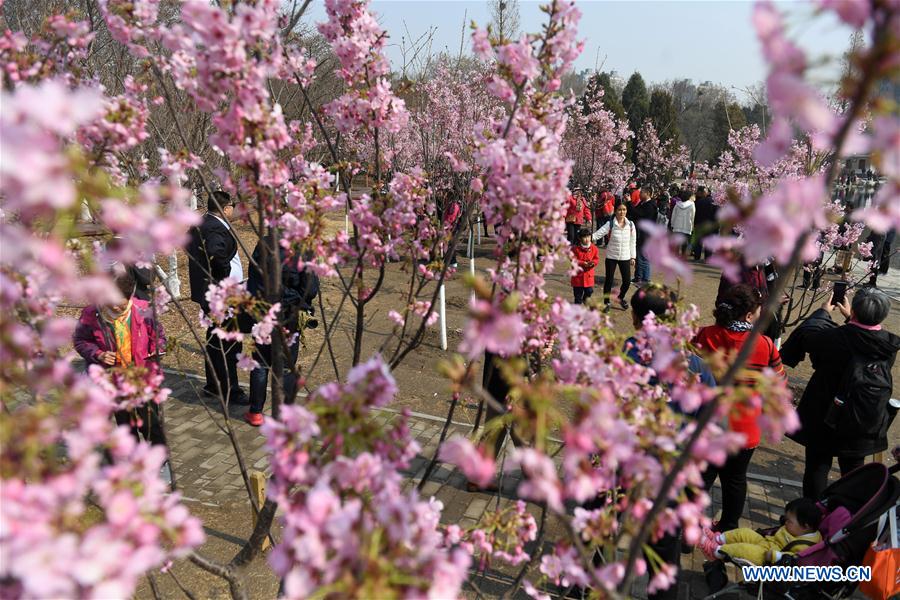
840,291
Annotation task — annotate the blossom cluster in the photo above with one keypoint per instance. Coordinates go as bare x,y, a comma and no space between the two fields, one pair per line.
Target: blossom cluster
58,49
358,41
131,22
500,535
596,142
54,543
131,387
658,163
348,526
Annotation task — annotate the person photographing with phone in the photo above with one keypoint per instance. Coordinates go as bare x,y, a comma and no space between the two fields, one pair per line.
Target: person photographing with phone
846,410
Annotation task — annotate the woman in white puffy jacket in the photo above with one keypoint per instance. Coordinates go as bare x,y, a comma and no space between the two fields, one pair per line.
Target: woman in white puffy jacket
621,252
682,220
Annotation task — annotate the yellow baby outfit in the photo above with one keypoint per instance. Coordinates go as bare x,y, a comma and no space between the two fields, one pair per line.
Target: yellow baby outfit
749,545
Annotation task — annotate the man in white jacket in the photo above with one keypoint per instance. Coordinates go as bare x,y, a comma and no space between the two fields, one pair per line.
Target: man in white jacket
682,220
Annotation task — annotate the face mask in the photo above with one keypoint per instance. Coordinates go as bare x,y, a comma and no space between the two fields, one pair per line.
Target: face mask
586,244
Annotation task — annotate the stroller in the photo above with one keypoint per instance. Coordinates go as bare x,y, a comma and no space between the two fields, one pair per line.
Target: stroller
852,507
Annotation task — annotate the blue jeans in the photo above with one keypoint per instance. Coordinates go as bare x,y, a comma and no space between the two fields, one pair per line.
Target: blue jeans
642,267
259,377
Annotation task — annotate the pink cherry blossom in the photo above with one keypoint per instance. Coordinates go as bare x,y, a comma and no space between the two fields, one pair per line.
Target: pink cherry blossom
540,481
474,464
850,12
661,250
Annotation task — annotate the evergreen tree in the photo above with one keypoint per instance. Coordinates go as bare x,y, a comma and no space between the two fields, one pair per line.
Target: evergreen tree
758,114
726,117
611,100
663,115
636,101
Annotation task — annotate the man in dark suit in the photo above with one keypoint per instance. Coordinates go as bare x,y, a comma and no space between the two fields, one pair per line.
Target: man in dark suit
644,210
705,222
212,252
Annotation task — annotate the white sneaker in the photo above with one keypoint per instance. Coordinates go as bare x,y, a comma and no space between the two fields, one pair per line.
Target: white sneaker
165,473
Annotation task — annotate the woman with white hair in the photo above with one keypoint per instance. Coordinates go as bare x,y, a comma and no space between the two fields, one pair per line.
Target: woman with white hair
845,411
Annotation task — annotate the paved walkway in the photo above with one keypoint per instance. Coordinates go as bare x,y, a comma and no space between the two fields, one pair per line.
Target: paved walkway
207,471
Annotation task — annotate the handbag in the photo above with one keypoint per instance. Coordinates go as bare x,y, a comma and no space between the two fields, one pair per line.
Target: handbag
883,556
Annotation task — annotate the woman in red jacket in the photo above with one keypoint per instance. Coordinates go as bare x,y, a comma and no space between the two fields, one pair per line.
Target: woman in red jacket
736,311
125,336
578,212
585,255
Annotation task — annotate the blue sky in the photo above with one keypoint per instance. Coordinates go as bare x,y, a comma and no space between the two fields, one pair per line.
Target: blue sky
663,39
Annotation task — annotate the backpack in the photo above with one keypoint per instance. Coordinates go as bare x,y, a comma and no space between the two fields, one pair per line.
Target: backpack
865,389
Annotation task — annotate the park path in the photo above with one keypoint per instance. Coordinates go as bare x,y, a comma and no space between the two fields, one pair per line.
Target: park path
207,473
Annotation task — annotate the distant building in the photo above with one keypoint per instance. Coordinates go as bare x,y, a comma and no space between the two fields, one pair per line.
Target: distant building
858,164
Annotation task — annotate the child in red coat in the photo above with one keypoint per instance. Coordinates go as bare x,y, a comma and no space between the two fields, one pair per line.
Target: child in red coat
586,256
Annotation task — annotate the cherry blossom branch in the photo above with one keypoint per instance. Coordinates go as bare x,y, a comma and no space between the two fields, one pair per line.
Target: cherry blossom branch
454,398
185,591
536,555
235,585
170,104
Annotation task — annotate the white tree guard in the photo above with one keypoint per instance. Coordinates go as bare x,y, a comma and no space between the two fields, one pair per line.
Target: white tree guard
170,280
442,299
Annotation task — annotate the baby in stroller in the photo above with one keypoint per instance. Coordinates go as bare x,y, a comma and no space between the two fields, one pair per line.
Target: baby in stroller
800,530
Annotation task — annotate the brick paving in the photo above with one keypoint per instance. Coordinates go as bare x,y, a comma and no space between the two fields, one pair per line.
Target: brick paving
207,471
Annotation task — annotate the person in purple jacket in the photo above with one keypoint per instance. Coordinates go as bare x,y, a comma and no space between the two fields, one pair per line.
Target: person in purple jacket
123,336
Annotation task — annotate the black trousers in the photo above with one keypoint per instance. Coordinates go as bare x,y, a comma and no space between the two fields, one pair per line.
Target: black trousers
144,423
572,232
582,294
223,356
624,270
668,547
698,249
733,479
494,383
818,464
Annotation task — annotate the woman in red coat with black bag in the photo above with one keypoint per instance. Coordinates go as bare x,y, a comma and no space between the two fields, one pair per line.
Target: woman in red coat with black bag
585,255
736,311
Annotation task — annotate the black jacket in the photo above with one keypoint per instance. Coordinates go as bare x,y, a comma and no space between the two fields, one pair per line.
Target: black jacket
707,214
830,347
143,281
210,250
298,288
645,211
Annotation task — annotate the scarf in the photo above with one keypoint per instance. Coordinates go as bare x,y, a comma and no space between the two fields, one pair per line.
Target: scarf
739,326
121,329
856,323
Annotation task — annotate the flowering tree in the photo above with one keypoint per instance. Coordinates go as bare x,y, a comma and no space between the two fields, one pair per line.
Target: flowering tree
658,164
95,522
739,169
596,142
